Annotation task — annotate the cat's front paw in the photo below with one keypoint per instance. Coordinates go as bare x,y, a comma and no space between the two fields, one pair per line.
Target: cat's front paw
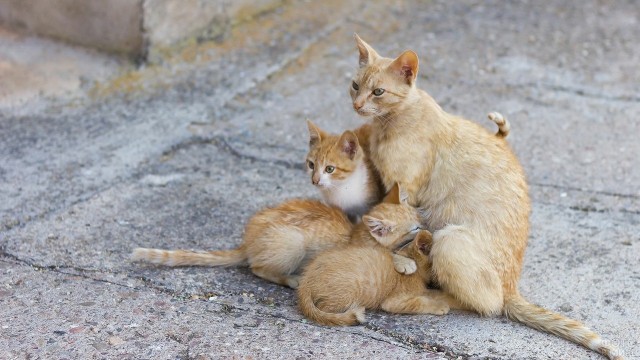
293,281
404,265
441,308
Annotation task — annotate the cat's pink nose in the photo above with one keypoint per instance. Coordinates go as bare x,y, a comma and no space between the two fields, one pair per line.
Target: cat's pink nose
315,179
357,106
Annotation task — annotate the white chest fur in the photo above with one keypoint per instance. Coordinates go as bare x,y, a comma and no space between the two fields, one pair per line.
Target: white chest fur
352,194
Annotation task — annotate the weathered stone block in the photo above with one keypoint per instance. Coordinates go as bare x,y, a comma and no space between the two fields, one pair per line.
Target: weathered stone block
146,28
113,25
169,23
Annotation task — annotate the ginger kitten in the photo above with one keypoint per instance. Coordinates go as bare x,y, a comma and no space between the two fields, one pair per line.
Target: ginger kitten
339,284
339,166
470,186
277,242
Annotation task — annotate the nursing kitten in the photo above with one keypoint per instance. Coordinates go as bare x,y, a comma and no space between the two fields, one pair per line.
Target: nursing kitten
470,186
339,166
339,284
390,223
277,242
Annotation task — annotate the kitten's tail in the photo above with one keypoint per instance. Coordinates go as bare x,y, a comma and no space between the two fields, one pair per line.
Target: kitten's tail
353,315
503,124
518,309
190,258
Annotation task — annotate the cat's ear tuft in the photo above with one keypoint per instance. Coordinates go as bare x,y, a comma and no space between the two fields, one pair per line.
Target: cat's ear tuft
377,227
423,241
349,144
406,65
397,195
315,134
393,196
367,54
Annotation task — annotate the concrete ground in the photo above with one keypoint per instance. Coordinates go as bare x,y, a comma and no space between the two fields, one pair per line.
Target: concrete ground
180,154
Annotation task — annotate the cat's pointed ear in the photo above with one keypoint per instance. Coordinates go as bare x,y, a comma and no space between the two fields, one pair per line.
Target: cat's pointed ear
423,241
393,196
349,144
396,196
379,228
367,54
406,66
315,134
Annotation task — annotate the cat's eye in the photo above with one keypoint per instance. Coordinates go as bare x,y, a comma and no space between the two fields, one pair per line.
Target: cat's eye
329,169
310,164
355,86
378,92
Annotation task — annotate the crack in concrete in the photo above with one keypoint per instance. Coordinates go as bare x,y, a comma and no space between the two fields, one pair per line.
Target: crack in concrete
432,348
590,208
274,70
572,90
185,354
57,269
186,144
397,343
222,144
585,93
599,192
150,285
593,209
17,223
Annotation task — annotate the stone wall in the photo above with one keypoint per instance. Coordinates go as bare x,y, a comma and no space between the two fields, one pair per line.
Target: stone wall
139,28
111,25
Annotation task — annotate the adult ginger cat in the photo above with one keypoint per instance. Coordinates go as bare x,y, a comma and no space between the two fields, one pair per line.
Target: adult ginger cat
339,166
276,244
470,186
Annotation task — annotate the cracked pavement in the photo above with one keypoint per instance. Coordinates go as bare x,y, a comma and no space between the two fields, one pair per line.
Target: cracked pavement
180,154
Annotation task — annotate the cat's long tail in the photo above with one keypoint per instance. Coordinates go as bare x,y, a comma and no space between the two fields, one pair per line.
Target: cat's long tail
353,315
503,124
518,309
190,258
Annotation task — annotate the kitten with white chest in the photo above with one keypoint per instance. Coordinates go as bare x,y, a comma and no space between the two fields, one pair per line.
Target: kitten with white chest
339,167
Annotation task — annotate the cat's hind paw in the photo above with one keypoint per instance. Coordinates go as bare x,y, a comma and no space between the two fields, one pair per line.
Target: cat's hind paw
404,265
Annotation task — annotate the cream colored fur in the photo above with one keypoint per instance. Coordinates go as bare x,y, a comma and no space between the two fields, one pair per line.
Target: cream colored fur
469,184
